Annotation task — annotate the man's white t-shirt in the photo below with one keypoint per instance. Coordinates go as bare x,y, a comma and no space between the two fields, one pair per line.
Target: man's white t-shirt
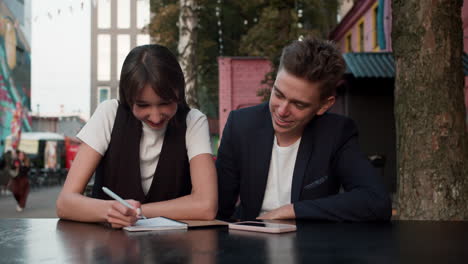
280,175
97,134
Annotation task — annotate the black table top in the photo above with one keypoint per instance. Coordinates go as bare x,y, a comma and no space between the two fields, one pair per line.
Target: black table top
58,241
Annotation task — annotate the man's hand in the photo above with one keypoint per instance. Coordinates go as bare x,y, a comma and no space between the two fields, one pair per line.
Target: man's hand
284,212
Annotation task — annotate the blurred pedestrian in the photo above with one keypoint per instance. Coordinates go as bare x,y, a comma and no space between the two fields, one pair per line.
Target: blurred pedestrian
6,170
19,184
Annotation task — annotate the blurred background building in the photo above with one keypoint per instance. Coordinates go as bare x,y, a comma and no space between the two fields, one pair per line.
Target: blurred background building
116,27
15,68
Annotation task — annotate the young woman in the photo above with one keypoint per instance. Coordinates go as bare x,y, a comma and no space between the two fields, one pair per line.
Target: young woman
6,163
149,148
19,184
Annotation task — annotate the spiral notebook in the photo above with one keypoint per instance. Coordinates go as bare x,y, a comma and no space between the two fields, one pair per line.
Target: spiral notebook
156,223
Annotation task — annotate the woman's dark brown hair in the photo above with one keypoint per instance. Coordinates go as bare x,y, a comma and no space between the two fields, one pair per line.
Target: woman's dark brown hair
153,65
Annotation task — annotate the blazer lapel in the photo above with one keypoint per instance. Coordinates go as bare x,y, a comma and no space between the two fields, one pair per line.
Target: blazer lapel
261,146
303,156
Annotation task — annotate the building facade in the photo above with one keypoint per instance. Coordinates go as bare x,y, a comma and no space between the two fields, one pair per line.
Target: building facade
116,27
367,27
65,125
15,68
364,37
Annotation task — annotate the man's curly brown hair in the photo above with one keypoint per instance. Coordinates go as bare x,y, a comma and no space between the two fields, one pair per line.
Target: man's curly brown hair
315,60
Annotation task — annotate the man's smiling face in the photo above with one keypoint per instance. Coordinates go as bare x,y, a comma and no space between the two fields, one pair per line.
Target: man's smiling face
293,103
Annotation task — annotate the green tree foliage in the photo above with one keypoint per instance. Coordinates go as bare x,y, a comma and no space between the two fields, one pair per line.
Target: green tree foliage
163,26
280,22
163,29
248,28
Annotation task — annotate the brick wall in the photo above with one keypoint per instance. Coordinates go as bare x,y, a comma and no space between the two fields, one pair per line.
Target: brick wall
239,80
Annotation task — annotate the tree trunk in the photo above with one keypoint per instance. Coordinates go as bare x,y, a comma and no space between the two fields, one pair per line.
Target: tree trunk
188,21
432,143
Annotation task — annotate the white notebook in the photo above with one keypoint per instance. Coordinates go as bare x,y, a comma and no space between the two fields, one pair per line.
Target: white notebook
156,223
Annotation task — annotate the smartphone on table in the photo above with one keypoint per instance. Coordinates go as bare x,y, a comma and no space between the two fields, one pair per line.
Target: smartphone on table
266,227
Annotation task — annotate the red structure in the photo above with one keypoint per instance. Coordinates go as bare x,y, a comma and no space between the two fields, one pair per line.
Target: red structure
71,148
239,80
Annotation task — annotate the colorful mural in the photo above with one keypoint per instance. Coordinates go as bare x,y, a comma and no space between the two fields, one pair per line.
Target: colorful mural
15,72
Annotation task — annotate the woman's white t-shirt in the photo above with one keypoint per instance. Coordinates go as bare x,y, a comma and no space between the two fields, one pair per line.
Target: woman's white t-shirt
97,134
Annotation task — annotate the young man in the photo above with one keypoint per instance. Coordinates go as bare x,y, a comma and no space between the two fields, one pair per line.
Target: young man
289,158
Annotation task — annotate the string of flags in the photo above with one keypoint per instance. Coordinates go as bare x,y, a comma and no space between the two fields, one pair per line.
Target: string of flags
67,8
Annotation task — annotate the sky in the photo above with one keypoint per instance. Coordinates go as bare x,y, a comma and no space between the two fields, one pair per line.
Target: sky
60,56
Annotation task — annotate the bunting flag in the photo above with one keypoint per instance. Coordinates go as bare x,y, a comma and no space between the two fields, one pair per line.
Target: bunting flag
16,126
61,10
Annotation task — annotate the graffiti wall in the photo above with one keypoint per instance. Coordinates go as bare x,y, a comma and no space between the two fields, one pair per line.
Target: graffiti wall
15,71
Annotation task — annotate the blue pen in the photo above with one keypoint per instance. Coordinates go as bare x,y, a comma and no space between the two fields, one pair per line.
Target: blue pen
122,201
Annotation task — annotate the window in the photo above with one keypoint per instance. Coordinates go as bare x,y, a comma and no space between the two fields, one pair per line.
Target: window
143,13
143,39
103,93
123,48
348,46
375,26
361,36
123,13
103,57
104,13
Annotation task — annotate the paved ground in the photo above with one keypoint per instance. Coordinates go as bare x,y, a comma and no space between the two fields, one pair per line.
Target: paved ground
40,204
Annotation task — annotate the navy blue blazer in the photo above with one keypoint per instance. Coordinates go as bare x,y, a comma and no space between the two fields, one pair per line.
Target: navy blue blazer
328,159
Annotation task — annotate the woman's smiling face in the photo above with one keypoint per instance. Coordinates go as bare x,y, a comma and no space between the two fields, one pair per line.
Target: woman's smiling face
153,110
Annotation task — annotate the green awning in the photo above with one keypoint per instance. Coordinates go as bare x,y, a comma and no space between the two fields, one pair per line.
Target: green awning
378,64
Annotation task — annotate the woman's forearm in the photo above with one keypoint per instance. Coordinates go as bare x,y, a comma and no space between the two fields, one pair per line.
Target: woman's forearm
77,207
189,207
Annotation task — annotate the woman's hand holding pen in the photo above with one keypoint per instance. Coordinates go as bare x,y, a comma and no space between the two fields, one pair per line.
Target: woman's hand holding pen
120,216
